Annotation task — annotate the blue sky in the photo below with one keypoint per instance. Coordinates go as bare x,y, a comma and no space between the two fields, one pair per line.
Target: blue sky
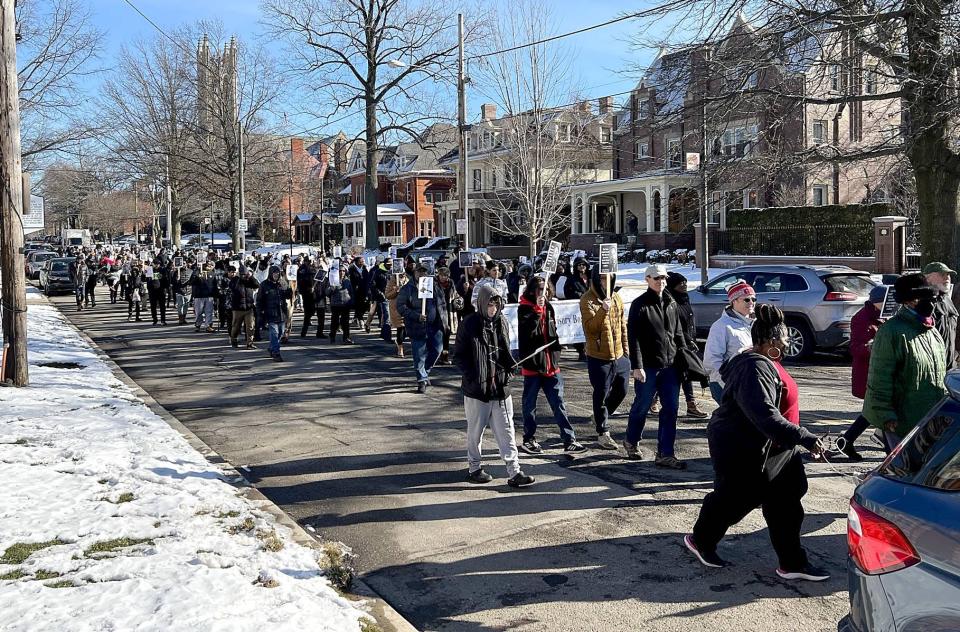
600,56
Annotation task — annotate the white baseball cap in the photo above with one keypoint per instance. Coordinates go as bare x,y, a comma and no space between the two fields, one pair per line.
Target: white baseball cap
657,269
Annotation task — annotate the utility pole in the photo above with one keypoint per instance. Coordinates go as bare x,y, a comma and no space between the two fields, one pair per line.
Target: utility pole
14,290
169,205
136,213
290,200
704,245
243,197
462,129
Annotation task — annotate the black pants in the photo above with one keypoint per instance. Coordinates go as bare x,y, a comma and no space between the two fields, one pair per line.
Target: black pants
340,320
226,319
362,307
131,306
309,309
90,294
158,298
738,489
609,381
857,428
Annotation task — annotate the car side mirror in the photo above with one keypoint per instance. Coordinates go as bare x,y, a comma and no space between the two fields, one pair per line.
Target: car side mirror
702,289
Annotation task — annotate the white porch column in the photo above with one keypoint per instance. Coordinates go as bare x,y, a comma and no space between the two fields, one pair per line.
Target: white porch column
573,213
648,209
665,211
617,220
593,217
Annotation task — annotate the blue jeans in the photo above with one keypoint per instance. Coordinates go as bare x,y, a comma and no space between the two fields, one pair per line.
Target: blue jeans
552,388
425,352
716,391
666,383
276,332
609,381
385,329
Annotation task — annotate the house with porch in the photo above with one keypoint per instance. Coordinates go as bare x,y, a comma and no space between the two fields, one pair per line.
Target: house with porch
753,120
410,182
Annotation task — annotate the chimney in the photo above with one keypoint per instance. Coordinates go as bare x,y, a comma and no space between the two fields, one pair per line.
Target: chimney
606,105
488,111
296,146
584,106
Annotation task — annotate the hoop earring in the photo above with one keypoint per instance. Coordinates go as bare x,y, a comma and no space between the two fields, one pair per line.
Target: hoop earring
779,355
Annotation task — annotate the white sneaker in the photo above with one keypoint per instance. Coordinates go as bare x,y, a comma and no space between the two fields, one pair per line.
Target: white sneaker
606,442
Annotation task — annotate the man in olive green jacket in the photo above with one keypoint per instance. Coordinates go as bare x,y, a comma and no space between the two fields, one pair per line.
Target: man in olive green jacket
907,363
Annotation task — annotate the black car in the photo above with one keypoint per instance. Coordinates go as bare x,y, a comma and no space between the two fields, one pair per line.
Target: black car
55,276
903,531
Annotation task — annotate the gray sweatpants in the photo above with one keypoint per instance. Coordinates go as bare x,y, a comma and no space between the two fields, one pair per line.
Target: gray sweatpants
499,416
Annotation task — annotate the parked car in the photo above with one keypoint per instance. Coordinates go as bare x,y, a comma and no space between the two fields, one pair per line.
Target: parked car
903,531
407,248
817,301
35,260
55,276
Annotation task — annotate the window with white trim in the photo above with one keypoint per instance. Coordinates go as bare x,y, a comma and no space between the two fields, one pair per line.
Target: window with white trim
641,149
751,198
563,132
477,179
835,77
606,134
819,195
674,153
819,131
870,80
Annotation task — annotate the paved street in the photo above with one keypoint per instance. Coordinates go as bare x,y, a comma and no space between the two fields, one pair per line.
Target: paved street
338,438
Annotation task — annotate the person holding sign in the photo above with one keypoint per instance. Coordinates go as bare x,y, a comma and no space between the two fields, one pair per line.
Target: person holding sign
482,351
425,319
340,292
605,331
539,347
492,279
394,283
863,328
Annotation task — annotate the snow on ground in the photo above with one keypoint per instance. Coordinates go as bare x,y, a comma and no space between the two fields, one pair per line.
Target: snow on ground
140,531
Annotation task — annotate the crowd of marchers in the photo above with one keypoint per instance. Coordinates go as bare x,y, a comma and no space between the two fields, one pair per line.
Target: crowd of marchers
755,435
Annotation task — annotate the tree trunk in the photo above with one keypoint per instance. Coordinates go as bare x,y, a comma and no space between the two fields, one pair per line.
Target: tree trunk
234,212
935,164
370,180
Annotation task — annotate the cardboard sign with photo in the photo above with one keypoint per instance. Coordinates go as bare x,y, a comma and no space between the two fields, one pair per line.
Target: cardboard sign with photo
335,273
553,258
337,252
608,258
429,263
425,287
292,272
397,265
178,262
148,271
465,259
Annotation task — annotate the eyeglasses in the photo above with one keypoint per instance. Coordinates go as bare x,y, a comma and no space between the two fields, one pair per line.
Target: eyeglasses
659,278
749,299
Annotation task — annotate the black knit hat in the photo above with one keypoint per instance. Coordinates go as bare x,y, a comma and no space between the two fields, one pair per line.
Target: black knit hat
674,279
911,286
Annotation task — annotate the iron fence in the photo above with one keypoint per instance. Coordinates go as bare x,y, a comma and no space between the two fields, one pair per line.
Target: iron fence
837,240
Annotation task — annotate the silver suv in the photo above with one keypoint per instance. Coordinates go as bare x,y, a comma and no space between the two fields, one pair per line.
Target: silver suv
818,301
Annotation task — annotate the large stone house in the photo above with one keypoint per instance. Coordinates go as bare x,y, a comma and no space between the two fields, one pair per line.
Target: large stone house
410,183
573,144
775,104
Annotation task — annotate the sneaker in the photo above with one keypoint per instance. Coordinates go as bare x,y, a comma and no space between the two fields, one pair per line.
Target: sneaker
655,406
250,345
234,344
531,446
276,357
711,560
809,572
694,411
348,341
521,480
421,387
606,442
632,450
574,447
479,476
671,462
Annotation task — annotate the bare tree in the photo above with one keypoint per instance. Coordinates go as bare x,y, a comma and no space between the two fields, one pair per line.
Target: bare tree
392,59
536,150
56,54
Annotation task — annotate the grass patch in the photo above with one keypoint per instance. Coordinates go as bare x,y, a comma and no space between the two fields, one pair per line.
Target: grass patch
271,541
228,514
246,525
103,481
19,552
109,546
336,560
65,583
12,575
156,525
21,442
125,497
369,625
44,574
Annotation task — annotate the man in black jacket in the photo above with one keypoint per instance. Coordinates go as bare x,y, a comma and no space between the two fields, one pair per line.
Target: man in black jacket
425,321
305,274
358,281
158,284
272,300
654,334
677,286
482,352
243,288
945,313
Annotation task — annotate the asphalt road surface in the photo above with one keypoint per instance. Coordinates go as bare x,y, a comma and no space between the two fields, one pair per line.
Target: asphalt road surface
338,437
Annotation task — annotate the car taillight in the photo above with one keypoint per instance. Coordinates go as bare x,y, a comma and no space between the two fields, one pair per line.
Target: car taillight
876,545
840,296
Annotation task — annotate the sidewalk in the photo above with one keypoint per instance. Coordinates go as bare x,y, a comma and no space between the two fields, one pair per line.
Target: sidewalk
111,520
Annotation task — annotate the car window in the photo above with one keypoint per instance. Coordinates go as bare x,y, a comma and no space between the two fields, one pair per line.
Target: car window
45,256
58,266
931,457
767,282
794,283
720,285
856,283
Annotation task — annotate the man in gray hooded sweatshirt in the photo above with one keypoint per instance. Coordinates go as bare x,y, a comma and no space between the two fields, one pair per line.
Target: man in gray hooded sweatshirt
482,352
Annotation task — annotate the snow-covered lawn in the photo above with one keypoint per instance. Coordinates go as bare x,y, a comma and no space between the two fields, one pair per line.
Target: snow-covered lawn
109,520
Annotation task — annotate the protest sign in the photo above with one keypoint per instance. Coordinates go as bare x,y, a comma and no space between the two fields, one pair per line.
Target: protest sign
428,263
337,252
148,271
397,266
890,305
178,262
553,257
292,272
608,258
425,287
335,273
465,259
569,324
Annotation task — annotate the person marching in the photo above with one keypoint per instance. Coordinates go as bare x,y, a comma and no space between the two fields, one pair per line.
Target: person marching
605,331
730,334
753,438
272,298
677,286
539,347
482,352
134,291
654,336
425,320
392,290
243,288
341,301
305,275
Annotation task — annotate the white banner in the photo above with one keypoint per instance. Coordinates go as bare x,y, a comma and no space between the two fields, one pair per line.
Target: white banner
569,325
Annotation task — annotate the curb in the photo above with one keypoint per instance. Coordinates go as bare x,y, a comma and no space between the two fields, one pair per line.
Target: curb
388,619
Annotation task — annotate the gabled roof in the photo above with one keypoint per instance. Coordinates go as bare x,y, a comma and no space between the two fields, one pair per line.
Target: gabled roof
669,77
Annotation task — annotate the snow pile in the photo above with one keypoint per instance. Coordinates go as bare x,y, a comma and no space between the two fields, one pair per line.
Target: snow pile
109,520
